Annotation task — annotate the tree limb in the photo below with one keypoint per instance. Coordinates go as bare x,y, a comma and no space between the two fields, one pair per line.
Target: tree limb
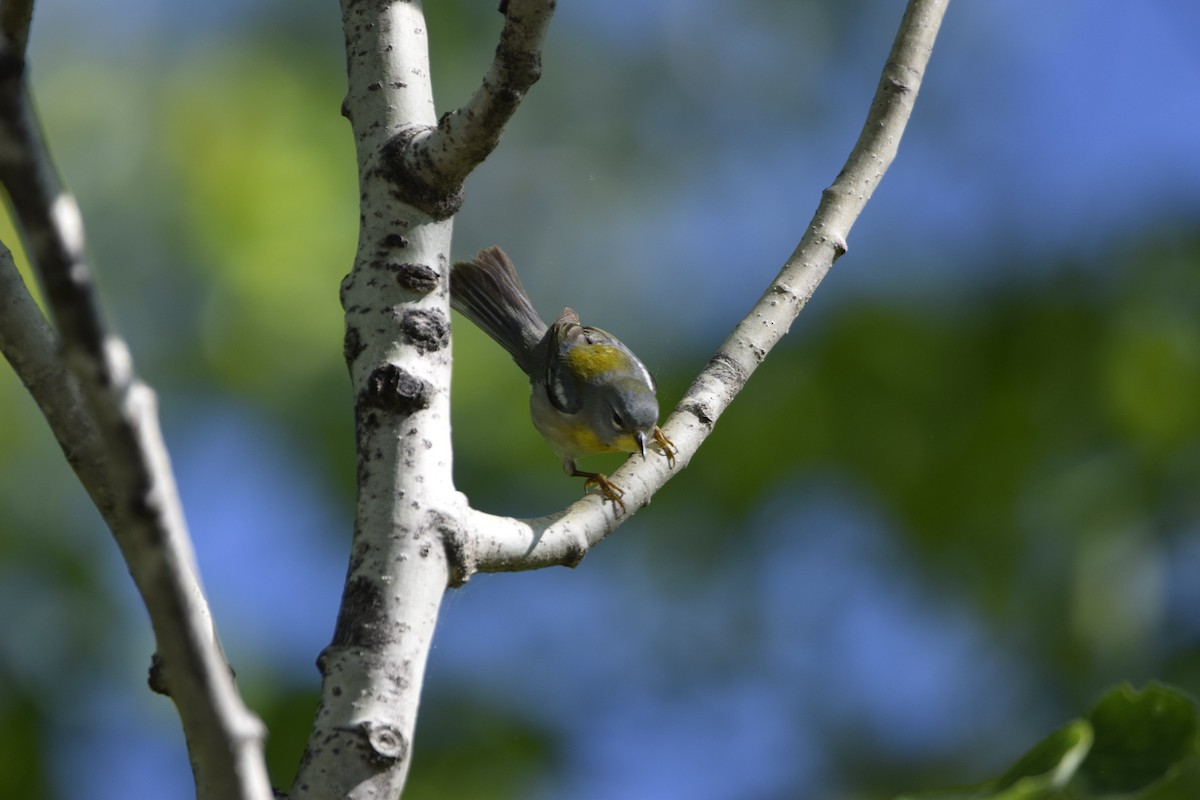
466,136
495,544
31,347
414,534
397,349
430,163
136,484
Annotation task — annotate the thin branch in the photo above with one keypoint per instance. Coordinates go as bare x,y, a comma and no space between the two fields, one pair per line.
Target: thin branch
31,347
224,738
414,534
503,544
466,136
428,163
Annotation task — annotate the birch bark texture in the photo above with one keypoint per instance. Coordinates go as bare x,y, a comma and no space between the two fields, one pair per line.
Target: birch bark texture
397,346
105,418
504,544
415,535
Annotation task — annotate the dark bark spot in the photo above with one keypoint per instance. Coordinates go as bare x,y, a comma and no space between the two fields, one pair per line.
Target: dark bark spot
362,621
699,411
426,330
418,182
352,345
459,554
390,388
344,289
417,278
157,677
726,370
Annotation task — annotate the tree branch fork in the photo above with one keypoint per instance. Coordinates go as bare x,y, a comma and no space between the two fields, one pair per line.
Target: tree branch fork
443,541
415,535
495,544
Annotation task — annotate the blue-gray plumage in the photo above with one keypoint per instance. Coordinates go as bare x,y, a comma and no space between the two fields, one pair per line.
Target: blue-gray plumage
590,393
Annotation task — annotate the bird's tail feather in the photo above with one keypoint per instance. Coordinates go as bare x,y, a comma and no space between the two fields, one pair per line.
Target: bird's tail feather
488,292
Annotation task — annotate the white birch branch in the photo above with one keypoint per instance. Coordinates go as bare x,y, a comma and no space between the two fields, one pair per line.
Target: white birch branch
494,544
414,534
396,300
140,501
397,349
464,137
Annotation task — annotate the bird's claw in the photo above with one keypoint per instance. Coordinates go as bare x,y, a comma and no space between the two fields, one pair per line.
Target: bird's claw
607,488
666,445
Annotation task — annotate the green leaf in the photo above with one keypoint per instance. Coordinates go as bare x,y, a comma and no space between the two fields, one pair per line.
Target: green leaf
1129,743
1140,738
1049,766
1039,774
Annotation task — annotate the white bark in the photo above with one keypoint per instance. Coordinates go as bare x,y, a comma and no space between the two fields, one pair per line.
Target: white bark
501,544
112,438
414,533
397,347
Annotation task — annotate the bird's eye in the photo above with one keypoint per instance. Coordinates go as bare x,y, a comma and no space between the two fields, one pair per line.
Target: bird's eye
617,421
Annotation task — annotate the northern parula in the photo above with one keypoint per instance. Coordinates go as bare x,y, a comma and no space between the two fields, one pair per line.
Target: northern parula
590,393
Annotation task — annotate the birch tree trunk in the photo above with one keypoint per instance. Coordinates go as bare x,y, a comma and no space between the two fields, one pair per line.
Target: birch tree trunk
409,518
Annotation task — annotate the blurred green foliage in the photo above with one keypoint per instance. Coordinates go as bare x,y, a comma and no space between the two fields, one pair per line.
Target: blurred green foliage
256,167
994,432
1133,744
22,768
509,753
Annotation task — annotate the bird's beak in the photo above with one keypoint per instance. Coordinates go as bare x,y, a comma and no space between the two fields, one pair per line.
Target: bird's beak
641,440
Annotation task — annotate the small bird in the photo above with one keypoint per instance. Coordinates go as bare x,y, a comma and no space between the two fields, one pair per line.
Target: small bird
590,393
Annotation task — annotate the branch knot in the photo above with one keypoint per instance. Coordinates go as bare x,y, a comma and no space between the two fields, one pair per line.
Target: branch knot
406,163
390,388
387,743
425,330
